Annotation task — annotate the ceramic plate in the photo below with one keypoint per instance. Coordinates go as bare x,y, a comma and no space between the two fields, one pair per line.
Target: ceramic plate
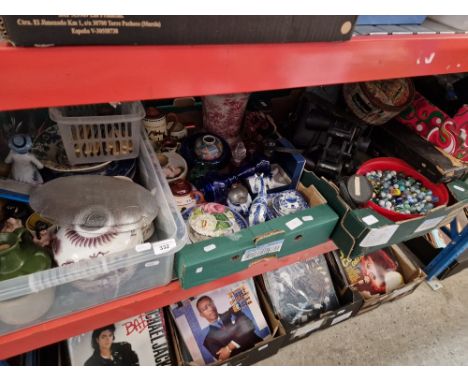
212,220
288,202
48,148
173,165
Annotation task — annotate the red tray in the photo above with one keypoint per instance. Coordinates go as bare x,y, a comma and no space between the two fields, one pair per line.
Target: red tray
385,163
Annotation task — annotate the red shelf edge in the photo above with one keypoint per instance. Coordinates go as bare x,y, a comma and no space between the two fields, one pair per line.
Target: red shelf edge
57,76
62,328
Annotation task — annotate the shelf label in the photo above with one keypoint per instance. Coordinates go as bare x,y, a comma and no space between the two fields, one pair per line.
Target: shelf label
163,246
308,218
262,250
429,224
379,236
459,188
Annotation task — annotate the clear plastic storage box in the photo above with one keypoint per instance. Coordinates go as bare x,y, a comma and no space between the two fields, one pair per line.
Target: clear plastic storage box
42,296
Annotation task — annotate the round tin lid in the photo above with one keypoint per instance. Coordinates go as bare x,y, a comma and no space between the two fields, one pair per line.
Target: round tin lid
94,201
389,94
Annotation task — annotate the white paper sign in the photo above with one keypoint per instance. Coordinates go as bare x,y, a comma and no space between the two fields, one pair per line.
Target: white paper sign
429,224
370,219
163,246
293,224
379,236
262,250
341,318
209,248
302,331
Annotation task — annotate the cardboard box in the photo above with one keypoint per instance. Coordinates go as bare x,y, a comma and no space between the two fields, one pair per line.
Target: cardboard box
398,140
146,30
349,299
209,260
412,274
259,352
363,230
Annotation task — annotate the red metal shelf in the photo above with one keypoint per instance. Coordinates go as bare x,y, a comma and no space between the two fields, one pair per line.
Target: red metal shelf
80,322
42,77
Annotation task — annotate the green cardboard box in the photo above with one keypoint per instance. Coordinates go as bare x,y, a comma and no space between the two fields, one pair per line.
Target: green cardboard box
363,230
209,260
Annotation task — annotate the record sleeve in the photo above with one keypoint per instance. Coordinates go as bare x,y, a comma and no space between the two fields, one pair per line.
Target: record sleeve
302,291
220,324
138,341
373,274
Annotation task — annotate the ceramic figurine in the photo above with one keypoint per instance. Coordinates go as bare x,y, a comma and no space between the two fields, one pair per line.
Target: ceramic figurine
239,154
42,236
278,178
259,208
239,199
25,165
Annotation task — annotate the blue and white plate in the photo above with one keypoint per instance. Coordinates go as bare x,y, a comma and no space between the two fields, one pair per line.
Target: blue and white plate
48,148
288,202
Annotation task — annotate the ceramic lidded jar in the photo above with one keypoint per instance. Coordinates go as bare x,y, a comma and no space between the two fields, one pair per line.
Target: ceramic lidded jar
184,194
98,216
19,256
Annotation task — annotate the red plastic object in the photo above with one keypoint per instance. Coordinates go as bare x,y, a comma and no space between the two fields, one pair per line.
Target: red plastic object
73,75
385,163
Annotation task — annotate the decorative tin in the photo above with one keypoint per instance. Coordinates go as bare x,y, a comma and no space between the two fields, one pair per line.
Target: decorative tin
377,102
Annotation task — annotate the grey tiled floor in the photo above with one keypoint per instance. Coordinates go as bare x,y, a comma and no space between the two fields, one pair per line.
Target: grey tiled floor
425,328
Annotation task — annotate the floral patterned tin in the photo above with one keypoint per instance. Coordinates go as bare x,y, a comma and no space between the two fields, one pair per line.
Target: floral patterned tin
377,102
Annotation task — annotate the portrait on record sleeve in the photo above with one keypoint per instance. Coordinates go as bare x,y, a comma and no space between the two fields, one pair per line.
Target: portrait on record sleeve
220,324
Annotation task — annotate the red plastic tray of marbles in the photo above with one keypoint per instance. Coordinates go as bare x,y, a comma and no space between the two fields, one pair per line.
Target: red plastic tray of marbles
438,192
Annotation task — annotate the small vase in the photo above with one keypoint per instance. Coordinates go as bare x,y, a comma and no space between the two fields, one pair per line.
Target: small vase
223,115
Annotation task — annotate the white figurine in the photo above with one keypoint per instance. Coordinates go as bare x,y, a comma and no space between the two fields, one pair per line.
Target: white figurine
24,164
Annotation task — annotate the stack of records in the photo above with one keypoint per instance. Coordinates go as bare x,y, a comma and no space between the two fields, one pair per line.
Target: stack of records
302,291
220,324
137,341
